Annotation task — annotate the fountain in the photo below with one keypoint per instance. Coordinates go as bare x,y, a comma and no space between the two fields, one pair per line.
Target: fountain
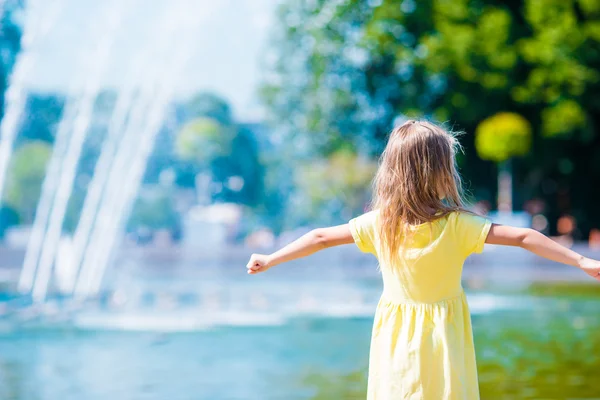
58,184
36,25
121,188
75,265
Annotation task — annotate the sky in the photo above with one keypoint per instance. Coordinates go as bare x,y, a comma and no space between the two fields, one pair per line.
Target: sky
118,41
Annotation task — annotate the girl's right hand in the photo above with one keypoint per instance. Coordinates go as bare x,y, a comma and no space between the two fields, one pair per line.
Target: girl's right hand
590,267
258,263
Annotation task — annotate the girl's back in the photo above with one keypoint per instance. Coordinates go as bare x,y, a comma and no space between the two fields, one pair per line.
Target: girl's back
428,265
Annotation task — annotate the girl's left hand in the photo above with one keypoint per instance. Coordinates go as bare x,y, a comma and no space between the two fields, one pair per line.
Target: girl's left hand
258,263
590,267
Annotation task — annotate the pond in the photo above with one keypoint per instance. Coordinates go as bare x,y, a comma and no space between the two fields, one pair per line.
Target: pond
176,334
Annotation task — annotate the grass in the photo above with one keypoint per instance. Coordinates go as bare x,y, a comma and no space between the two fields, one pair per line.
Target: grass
565,289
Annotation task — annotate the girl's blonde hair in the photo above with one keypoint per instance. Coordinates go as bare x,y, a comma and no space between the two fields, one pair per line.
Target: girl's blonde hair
417,181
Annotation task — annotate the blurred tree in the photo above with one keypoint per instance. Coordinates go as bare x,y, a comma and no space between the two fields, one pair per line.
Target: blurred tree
202,140
321,82
241,171
344,71
8,217
212,143
502,136
336,188
74,207
10,42
499,138
163,156
154,211
211,106
25,177
44,112
278,189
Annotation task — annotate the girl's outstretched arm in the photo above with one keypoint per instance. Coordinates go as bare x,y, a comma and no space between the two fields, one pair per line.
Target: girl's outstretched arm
313,241
543,246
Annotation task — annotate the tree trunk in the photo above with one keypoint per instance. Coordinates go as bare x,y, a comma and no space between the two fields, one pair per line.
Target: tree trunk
505,188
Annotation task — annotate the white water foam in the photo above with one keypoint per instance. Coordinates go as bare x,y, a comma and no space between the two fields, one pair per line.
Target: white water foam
172,322
202,320
485,303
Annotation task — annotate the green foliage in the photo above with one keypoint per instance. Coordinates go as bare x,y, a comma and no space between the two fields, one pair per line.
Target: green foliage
347,58
544,356
10,42
565,290
8,218
351,386
562,31
212,143
202,140
346,70
43,112
561,119
503,136
335,188
25,177
320,83
241,170
211,106
154,211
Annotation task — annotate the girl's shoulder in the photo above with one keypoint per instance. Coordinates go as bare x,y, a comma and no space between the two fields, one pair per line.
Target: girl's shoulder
371,216
470,229
364,231
465,215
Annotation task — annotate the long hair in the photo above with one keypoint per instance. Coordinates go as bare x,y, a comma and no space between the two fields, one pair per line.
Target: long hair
417,181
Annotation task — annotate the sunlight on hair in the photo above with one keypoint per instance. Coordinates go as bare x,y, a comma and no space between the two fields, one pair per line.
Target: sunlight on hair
417,181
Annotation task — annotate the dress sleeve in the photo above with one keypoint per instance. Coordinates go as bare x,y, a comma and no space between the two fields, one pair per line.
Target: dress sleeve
471,231
364,231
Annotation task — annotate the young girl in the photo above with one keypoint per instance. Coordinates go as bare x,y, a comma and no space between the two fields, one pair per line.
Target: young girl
422,342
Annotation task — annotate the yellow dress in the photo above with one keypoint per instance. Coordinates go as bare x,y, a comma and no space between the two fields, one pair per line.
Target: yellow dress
422,341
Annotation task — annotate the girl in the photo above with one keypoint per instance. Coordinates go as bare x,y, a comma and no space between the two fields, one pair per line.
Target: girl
422,342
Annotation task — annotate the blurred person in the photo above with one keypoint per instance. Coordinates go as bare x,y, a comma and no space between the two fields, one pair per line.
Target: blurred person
539,222
422,342
566,227
534,206
594,241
